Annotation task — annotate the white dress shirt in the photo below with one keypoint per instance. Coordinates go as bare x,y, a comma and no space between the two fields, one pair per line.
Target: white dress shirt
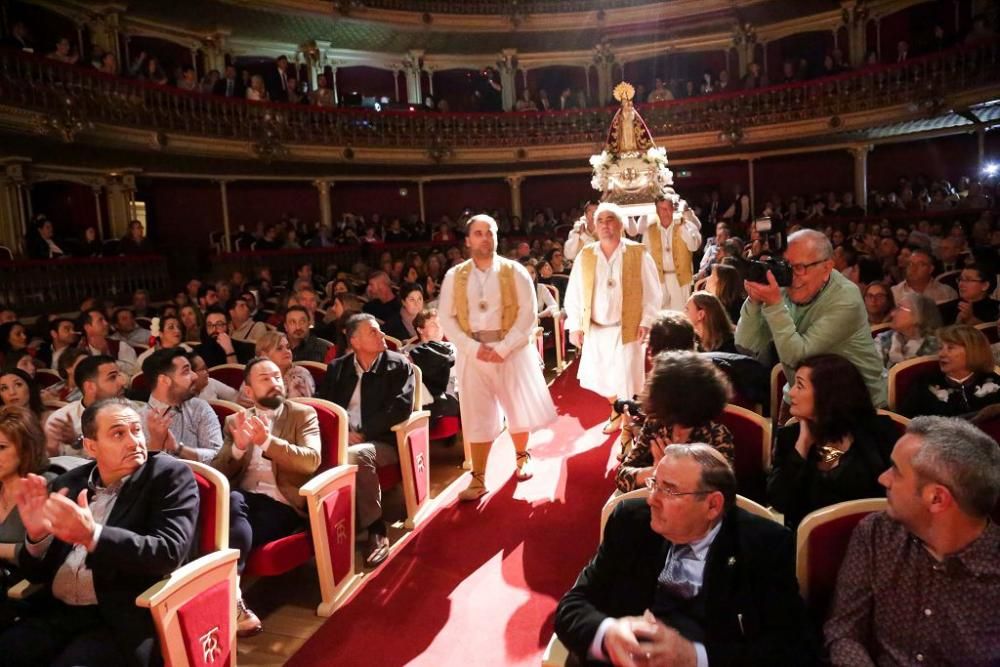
259,475
607,304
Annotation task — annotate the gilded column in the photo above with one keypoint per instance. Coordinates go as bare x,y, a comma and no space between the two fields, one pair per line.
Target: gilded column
227,240
119,195
744,39
515,194
420,195
860,155
604,62
413,68
507,66
13,224
325,212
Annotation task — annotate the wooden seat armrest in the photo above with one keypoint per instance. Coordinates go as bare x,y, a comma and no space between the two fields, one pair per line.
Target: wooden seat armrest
23,590
185,575
321,483
414,420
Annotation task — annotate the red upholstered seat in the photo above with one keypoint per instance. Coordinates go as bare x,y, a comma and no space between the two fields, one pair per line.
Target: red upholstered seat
45,377
904,375
752,437
208,495
823,537
778,381
228,374
445,427
139,384
280,556
389,476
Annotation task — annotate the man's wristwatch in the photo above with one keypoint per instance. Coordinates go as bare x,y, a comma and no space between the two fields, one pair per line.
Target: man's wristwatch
179,450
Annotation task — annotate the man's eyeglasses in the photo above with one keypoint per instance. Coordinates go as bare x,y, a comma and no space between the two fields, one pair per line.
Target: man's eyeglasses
215,325
800,269
655,489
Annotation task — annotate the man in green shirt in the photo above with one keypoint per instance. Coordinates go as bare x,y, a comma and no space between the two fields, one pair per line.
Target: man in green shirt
821,313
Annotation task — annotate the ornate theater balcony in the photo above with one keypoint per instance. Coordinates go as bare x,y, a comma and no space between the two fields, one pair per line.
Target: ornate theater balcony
41,96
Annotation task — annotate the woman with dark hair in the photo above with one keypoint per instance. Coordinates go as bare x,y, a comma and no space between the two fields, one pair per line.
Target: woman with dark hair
22,451
341,308
13,336
711,323
167,332
965,382
20,359
412,298
879,302
66,390
684,396
18,388
838,446
974,304
726,283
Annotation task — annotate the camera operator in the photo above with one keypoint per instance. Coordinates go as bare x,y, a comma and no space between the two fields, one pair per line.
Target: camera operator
489,91
817,311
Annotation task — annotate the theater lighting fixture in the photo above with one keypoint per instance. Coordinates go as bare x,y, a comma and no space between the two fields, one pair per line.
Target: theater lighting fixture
991,169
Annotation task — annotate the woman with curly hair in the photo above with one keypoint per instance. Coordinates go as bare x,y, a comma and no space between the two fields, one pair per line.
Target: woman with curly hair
683,398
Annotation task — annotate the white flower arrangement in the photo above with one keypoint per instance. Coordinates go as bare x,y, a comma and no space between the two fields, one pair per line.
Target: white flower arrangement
601,160
154,328
990,387
656,155
939,393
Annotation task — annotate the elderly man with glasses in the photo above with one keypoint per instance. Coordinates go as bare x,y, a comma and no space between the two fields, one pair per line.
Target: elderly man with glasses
821,312
684,577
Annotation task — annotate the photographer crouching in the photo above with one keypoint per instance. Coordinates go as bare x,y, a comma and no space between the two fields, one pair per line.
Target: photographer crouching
805,307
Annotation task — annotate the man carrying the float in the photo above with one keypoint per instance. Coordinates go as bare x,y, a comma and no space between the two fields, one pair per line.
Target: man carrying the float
612,298
488,310
671,235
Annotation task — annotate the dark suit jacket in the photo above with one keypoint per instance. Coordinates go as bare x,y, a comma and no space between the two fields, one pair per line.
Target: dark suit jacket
754,613
273,84
239,90
147,536
386,392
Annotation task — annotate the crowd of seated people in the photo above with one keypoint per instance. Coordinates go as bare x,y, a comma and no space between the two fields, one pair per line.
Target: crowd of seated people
819,329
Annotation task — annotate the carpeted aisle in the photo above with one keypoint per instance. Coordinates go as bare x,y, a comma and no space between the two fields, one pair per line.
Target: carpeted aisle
478,585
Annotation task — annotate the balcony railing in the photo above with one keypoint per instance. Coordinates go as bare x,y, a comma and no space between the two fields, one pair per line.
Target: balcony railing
501,7
74,98
53,286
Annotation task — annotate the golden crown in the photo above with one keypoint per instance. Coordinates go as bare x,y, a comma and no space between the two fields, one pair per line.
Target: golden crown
624,91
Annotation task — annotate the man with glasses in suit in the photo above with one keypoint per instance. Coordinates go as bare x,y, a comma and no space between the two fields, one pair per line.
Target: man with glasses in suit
684,577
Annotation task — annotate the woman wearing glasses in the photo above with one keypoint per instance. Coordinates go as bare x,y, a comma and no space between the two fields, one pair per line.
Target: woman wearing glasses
974,304
838,446
684,396
914,321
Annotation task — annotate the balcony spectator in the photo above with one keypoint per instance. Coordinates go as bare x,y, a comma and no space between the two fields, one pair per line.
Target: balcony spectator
839,446
543,100
848,207
108,64
660,92
919,279
974,304
788,72
755,77
323,95
18,37
915,319
980,31
277,80
40,243
295,93
188,79
566,100
256,91
136,242
942,487
64,52
723,84
965,383
902,51
91,245
706,87
526,103
230,85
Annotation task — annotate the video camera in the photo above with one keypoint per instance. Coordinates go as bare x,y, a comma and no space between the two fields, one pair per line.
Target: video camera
757,271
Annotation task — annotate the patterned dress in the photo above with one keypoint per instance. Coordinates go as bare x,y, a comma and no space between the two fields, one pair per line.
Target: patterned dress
641,455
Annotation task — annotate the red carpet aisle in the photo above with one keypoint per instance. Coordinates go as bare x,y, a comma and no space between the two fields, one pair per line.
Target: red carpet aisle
479,585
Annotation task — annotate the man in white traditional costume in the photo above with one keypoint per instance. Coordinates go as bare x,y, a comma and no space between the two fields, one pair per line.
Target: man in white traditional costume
671,236
613,297
582,232
487,308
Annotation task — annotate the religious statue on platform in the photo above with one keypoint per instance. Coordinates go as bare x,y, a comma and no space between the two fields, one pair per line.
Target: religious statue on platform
628,133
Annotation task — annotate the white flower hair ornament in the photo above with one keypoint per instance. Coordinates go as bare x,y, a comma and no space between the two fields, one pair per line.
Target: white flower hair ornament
990,387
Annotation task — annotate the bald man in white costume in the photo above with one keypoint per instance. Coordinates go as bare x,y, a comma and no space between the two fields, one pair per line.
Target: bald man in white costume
488,310
613,297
